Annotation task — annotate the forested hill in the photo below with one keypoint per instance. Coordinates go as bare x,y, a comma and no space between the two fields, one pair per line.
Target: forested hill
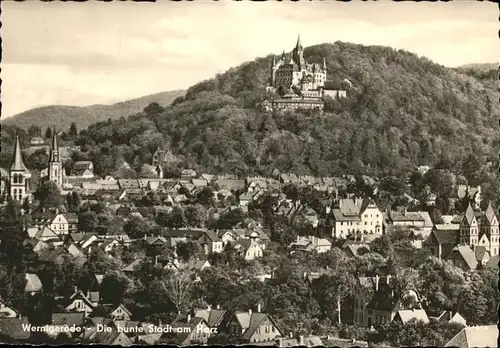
403,111
63,116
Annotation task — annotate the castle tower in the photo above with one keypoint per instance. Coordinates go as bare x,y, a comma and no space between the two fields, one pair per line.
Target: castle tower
469,228
490,227
19,175
55,164
298,54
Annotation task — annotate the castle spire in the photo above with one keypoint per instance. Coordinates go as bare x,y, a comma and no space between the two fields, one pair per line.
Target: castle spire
54,151
17,161
299,44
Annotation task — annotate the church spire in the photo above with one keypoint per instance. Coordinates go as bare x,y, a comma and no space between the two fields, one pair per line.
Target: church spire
299,44
324,63
54,151
17,161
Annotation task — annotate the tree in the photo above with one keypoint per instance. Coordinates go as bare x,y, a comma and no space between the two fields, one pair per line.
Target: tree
186,250
114,287
195,215
73,200
38,159
177,218
72,130
178,289
137,227
48,195
153,109
48,133
205,196
334,287
87,221
34,131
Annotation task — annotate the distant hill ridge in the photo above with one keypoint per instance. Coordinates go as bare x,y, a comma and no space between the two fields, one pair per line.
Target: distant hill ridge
83,116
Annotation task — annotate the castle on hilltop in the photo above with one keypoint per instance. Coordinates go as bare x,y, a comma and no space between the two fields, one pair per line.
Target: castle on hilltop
296,72
300,84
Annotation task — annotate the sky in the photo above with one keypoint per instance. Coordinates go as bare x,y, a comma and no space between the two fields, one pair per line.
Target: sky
101,53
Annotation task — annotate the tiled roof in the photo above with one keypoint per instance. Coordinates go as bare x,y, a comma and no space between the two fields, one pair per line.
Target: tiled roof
12,328
408,314
493,262
481,253
475,336
407,216
469,215
445,236
339,216
33,283
69,319
467,254
489,214
213,317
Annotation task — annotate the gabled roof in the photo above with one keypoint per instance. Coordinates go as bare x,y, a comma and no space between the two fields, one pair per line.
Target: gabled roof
213,317
408,314
469,216
46,233
467,255
489,215
107,338
475,336
33,283
251,321
481,253
181,321
444,236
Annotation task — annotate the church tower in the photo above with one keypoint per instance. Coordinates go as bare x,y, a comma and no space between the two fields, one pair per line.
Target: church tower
469,228
19,175
55,164
489,226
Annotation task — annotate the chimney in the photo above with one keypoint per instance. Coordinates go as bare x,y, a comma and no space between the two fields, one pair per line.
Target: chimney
291,334
218,306
258,308
75,288
189,317
209,308
250,311
377,278
159,322
19,316
388,278
298,238
301,340
280,341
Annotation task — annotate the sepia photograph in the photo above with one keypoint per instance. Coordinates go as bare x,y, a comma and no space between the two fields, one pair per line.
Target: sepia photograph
231,173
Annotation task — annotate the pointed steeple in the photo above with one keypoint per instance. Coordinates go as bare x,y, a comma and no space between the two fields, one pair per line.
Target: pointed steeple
298,46
469,215
54,151
489,214
274,61
17,161
324,63
283,55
